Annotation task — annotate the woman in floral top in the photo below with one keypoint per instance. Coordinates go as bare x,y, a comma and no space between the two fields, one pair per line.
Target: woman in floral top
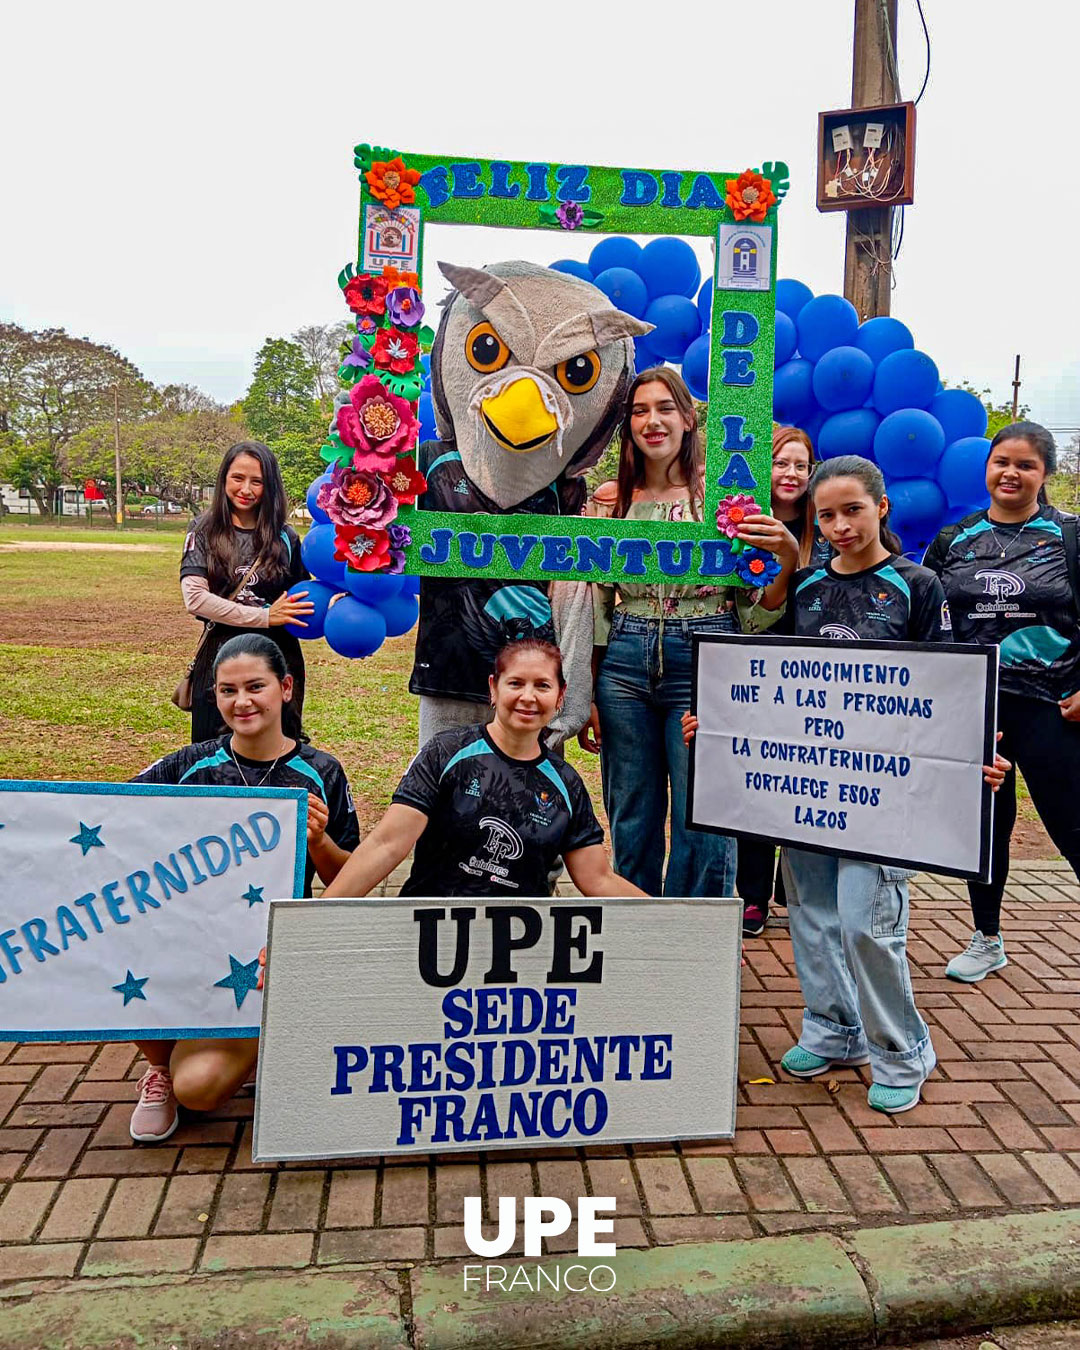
643,652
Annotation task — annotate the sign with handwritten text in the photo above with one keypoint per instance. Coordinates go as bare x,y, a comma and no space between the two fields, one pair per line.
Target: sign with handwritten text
133,912
415,1025
868,749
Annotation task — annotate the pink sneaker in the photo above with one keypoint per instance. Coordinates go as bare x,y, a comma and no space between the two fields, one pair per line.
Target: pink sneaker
155,1116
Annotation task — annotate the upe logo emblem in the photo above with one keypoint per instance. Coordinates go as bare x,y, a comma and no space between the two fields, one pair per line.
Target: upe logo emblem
839,631
544,1216
503,841
1000,584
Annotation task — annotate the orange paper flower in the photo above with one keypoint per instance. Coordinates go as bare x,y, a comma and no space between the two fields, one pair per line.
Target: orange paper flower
392,183
749,195
394,278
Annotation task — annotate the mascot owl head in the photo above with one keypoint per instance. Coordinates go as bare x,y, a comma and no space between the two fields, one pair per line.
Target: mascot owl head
529,374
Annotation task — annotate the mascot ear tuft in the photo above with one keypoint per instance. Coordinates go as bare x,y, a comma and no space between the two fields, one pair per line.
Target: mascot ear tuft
479,288
611,324
498,304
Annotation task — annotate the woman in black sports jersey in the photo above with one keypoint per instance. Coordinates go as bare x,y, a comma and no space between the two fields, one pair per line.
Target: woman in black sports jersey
1010,575
263,747
487,808
240,557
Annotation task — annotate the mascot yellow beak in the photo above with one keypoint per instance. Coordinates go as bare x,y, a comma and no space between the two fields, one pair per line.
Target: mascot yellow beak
518,418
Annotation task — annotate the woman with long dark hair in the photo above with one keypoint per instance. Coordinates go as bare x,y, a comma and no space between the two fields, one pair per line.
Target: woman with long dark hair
1010,574
643,654
240,558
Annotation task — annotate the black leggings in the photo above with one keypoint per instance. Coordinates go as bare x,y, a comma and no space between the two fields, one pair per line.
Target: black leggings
1046,749
758,879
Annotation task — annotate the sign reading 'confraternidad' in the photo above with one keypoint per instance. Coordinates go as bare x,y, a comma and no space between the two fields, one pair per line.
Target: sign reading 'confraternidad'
402,1026
868,749
136,912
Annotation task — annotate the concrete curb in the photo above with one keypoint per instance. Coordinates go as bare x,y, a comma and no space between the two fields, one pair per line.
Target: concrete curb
868,1287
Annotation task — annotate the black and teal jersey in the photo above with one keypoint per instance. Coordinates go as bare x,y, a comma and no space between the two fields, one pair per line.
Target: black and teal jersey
464,624
212,763
495,824
894,601
1010,585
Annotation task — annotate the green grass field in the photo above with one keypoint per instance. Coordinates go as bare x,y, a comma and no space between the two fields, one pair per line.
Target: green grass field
94,639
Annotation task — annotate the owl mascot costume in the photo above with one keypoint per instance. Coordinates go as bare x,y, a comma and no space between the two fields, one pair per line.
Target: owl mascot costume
529,375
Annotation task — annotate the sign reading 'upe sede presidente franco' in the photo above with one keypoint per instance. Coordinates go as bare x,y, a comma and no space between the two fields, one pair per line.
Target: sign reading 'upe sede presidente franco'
136,912
868,749
399,1026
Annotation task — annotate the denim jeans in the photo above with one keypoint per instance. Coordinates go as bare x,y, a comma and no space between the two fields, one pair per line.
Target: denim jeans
641,701
849,924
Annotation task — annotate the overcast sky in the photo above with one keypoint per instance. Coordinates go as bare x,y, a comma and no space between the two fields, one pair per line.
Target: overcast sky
177,180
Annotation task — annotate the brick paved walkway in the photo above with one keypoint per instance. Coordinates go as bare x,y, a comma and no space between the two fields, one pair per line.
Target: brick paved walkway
999,1130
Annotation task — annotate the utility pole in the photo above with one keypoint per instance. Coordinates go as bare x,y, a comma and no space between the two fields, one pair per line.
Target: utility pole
116,449
1016,387
874,81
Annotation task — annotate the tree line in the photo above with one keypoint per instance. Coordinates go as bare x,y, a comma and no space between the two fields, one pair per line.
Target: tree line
61,395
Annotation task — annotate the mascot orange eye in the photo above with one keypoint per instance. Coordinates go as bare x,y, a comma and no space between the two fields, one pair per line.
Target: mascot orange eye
485,349
579,374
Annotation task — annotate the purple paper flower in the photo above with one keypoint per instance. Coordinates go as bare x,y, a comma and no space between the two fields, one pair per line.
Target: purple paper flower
358,356
569,215
357,498
366,325
404,306
400,539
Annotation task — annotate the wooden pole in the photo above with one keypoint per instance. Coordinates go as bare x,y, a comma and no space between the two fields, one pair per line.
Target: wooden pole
868,251
1016,387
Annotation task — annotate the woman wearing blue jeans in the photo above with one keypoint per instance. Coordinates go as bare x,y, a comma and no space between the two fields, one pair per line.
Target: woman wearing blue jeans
643,654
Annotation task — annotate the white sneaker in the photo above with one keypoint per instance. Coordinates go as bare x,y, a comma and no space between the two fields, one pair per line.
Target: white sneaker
984,955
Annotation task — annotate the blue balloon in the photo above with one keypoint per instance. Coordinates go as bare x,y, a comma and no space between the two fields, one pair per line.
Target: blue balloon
320,596
917,510
353,629
644,356
908,444
677,322
617,251
372,587
425,365
882,336
843,378
825,322
791,296
317,551
572,268
625,290
848,433
315,511
410,585
695,367
812,425
961,471
399,614
787,338
793,391
426,411
669,266
704,305
960,414
905,379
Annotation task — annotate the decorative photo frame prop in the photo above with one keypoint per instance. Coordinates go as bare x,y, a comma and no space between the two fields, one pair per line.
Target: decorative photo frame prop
400,195
131,911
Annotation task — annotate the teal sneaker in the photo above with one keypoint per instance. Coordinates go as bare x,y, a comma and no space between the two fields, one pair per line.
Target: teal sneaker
803,1064
983,956
893,1100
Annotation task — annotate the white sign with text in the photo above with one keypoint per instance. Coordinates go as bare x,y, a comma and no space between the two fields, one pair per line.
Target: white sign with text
868,749
416,1025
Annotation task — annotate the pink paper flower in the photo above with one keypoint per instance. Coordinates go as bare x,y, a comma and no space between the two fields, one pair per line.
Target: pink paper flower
352,498
732,511
376,424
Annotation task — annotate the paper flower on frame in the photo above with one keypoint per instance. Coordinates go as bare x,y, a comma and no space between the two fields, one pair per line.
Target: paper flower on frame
376,424
570,215
392,183
404,306
362,548
749,196
405,481
366,294
395,350
732,511
358,355
400,539
357,498
395,278
756,567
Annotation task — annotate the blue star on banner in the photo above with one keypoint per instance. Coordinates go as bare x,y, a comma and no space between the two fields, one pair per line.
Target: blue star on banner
131,988
87,838
254,895
241,979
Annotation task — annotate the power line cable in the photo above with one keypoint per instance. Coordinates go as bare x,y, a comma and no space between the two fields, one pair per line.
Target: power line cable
926,35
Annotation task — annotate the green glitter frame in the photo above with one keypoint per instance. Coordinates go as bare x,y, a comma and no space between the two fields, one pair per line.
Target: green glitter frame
738,438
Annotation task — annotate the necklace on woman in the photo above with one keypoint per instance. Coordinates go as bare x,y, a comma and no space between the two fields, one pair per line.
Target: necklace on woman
1005,547
265,776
